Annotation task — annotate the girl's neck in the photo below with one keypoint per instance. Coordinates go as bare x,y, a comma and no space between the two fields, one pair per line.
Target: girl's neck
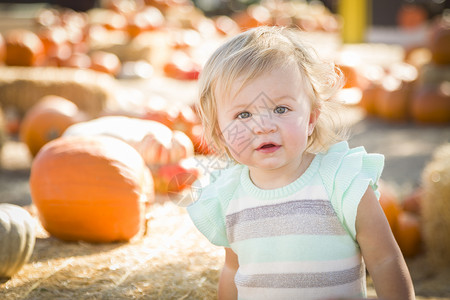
273,179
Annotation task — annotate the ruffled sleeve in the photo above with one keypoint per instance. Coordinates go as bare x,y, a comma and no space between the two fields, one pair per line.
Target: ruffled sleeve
346,174
208,212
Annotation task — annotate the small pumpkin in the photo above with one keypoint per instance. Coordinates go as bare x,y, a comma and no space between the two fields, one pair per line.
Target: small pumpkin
411,15
174,178
56,42
408,233
389,204
144,20
352,75
78,61
412,203
226,26
439,41
393,101
17,236
105,62
90,188
182,67
24,48
255,15
431,104
371,92
47,120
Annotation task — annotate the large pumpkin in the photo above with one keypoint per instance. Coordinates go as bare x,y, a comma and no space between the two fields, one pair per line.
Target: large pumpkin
91,188
17,238
24,48
47,120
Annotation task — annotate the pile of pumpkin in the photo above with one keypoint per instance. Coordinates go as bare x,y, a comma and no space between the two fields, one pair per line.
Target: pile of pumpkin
65,38
421,221
165,34
92,179
416,89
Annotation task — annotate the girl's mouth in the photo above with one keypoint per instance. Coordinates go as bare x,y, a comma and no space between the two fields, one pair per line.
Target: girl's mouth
268,148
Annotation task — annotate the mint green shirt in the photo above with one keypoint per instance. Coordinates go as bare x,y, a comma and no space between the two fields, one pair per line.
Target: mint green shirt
297,241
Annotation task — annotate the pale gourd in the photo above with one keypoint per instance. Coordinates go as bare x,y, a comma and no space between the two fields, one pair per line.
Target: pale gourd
17,238
157,143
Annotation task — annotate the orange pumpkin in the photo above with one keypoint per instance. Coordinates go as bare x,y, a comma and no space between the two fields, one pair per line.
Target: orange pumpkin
90,188
439,41
24,48
411,16
369,98
408,233
373,74
389,204
226,25
393,100
353,78
431,104
181,66
147,19
56,42
77,60
412,202
47,120
48,17
174,178
180,117
105,62
255,15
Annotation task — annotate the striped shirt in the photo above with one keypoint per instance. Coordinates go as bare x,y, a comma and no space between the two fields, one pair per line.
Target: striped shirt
298,241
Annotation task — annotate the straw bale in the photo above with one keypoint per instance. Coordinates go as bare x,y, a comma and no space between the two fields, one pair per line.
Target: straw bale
436,208
172,261
22,87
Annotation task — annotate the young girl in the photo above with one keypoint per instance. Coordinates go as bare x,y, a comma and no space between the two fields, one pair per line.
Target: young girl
298,213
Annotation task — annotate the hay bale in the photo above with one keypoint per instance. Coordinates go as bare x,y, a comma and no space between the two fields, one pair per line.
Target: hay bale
173,261
436,208
22,87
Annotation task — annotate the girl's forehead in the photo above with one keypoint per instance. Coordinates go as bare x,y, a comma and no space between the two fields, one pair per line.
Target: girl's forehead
271,83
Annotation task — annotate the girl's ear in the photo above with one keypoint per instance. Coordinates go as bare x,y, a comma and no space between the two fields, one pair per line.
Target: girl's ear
313,117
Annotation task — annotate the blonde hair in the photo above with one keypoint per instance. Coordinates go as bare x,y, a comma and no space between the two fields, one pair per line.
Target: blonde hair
259,50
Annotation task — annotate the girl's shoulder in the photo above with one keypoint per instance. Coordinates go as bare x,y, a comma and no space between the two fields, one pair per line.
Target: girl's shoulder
346,173
208,210
340,158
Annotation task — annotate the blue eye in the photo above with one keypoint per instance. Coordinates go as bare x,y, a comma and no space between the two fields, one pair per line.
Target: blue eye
244,115
280,110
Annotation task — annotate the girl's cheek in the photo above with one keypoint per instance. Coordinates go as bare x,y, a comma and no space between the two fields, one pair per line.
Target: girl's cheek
237,137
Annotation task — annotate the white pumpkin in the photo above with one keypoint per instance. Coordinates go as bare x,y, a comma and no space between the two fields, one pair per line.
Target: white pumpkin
157,143
17,238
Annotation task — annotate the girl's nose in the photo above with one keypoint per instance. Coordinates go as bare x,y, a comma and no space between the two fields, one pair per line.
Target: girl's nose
264,125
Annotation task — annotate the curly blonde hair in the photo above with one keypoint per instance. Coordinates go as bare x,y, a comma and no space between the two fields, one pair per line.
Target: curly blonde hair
257,51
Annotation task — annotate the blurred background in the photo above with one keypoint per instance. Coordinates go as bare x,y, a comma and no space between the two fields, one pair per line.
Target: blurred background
394,54
107,65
